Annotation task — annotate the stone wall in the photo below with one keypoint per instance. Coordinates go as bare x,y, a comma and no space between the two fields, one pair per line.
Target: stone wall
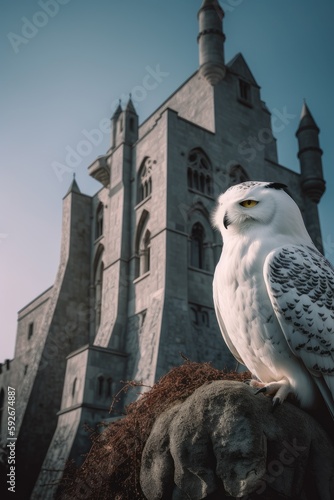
92,381
63,329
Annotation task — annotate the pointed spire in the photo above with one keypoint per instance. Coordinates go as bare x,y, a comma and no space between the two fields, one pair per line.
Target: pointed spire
309,154
74,188
130,106
117,111
306,119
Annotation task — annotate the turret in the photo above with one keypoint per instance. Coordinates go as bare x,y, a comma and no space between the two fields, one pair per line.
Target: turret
74,188
130,123
114,120
124,124
211,41
309,154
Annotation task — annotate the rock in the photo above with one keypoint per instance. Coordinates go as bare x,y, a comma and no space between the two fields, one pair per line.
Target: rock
223,440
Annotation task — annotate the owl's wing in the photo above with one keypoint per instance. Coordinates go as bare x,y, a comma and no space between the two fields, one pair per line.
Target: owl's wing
300,283
221,323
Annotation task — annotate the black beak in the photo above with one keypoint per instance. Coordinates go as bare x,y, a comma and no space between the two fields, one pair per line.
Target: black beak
226,221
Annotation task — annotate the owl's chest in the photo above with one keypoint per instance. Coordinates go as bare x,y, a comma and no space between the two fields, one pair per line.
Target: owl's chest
244,299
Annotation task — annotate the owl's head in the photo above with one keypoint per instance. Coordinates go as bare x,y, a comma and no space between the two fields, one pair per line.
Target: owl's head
256,206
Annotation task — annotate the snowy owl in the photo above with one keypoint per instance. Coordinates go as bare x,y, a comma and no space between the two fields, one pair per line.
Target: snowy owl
273,294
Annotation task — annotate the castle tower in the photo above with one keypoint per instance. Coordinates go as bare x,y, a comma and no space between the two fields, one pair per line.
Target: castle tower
114,120
134,286
309,154
49,329
130,122
211,41
124,125
116,207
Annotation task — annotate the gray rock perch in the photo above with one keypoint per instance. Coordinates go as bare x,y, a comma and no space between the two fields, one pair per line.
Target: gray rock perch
224,440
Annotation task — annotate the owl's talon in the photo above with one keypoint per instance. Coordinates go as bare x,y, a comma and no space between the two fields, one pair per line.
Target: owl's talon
279,390
263,389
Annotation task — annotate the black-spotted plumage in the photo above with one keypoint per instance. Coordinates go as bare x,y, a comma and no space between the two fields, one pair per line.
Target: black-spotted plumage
301,273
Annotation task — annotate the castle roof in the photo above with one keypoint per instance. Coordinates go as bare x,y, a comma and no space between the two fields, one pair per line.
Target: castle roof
212,4
74,188
117,112
306,119
239,66
130,106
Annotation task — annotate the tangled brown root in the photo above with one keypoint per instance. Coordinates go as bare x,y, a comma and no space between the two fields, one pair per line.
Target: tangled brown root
111,468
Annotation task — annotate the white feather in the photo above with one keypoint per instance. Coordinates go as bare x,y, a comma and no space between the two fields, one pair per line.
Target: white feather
273,292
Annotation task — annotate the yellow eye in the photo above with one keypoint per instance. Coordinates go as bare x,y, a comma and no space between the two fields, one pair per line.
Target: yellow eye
249,203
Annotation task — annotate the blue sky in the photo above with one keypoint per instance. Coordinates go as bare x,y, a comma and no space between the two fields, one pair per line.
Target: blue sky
66,63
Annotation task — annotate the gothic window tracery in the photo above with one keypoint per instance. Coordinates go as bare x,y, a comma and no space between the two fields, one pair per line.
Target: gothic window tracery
238,174
199,172
143,246
200,316
145,179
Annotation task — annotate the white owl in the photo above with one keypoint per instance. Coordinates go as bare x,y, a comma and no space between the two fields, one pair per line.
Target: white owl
273,294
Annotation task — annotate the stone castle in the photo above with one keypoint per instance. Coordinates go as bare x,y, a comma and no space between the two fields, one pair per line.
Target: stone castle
133,287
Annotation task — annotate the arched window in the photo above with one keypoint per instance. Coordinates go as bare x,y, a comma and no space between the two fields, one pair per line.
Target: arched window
244,91
199,172
99,221
142,317
145,179
197,246
98,286
238,174
145,251
132,124
200,315
143,246
30,330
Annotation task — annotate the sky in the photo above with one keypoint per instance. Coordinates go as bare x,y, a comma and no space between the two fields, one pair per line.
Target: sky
66,63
